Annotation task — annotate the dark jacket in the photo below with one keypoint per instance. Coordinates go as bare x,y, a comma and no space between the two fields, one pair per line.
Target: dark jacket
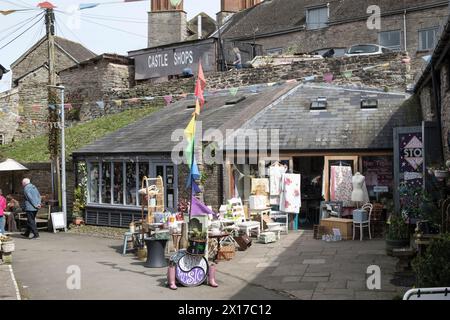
32,198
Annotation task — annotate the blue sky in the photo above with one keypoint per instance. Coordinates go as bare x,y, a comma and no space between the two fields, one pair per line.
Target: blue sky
90,31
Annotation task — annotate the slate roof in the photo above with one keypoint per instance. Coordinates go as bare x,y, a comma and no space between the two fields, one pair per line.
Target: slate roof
275,16
342,126
153,133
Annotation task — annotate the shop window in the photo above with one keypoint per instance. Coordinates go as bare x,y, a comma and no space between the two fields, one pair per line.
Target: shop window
319,104
93,182
427,38
106,182
316,18
391,39
369,103
378,171
131,184
118,183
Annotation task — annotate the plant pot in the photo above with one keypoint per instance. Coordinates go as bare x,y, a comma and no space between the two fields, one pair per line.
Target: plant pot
78,221
395,244
441,174
197,246
8,246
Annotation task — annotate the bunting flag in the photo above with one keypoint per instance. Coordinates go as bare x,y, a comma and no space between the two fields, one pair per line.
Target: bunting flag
194,174
149,98
7,12
199,92
118,103
195,188
46,5
234,91
68,106
199,209
197,108
36,108
101,104
175,3
51,106
328,77
291,81
168,99
84,6
201,77
271,84
310,78
347,74
134,100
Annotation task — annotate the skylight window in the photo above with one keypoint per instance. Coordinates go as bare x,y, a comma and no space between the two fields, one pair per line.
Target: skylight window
319,104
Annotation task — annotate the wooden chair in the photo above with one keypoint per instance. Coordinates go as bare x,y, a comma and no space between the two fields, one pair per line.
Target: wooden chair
364,223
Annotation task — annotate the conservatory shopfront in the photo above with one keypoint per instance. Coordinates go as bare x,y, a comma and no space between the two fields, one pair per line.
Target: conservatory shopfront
113,185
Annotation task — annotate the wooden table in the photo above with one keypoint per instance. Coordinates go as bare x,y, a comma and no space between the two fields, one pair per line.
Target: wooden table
344,225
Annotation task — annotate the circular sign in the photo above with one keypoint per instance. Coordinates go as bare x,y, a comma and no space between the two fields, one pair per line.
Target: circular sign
191,271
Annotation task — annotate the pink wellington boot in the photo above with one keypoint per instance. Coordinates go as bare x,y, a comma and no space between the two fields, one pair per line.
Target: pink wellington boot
212,276
171,278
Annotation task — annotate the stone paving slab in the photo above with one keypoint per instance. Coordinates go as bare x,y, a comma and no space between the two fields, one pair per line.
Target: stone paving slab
8,290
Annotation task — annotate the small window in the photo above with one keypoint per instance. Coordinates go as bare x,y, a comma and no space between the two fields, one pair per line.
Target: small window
2,139
317,18
319,104
427,38
369,103
274,51
391,39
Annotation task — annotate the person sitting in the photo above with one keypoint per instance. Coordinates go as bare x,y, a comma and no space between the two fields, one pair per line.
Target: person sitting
12,206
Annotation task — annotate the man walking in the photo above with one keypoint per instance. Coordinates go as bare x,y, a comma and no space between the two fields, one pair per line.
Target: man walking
31,206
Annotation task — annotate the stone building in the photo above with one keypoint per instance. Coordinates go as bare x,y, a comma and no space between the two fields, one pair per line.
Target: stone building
282,26
28,98
433,90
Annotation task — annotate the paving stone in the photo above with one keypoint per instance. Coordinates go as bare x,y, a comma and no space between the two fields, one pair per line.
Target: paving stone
291,279
315,279
267,264
321,296
302,294
375,295
356,284
314,261
332,284
316,274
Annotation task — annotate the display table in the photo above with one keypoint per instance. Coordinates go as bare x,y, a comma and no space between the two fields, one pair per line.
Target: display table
260,213
155,253
344,225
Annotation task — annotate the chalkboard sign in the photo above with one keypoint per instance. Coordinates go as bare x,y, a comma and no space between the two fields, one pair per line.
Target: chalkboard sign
59,221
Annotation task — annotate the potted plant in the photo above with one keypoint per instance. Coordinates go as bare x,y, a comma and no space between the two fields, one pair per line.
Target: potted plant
440,171
397,235
78,206
197,242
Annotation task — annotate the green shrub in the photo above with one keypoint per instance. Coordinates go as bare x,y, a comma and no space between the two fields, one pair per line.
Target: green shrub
397,228
433,267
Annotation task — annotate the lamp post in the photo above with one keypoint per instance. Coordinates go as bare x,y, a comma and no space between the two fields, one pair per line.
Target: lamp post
63,152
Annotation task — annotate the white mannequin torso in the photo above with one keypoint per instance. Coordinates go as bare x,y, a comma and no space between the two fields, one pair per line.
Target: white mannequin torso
358,183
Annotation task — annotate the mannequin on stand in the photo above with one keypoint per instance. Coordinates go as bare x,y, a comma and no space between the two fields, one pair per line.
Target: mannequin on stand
358,195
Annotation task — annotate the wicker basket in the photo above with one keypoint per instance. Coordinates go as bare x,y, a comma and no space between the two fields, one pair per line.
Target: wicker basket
226,252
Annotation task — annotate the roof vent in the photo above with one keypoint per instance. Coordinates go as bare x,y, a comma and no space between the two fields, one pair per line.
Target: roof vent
369,103
319,104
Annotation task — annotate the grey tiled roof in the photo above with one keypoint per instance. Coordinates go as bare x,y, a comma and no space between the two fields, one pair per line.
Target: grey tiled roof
342,126
153,133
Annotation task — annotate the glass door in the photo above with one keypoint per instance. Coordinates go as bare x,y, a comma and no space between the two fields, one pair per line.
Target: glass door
169,176
348,161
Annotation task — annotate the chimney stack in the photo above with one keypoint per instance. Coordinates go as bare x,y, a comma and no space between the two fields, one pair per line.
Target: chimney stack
166,23
228,7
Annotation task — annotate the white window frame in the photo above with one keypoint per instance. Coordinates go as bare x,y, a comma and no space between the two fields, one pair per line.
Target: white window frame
394,48
436,31
308,10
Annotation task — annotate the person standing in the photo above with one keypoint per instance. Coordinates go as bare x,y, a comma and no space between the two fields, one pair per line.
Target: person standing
12,206
2,212
31,206
237,58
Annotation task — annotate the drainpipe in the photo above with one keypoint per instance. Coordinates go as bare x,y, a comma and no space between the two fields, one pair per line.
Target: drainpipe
404,29
437,101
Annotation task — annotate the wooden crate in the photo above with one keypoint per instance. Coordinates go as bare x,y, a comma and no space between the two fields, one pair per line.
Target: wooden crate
344,225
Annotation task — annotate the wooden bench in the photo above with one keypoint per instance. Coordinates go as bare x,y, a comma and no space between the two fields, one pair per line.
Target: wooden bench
42,218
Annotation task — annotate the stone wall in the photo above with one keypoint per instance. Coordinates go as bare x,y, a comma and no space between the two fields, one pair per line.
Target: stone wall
445,109
37,58
9,110
396,75
166,27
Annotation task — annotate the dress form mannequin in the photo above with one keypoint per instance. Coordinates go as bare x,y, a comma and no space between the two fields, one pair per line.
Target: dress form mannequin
358,183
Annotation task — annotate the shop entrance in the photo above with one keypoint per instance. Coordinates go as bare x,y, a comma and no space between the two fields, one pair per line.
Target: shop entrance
311,170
